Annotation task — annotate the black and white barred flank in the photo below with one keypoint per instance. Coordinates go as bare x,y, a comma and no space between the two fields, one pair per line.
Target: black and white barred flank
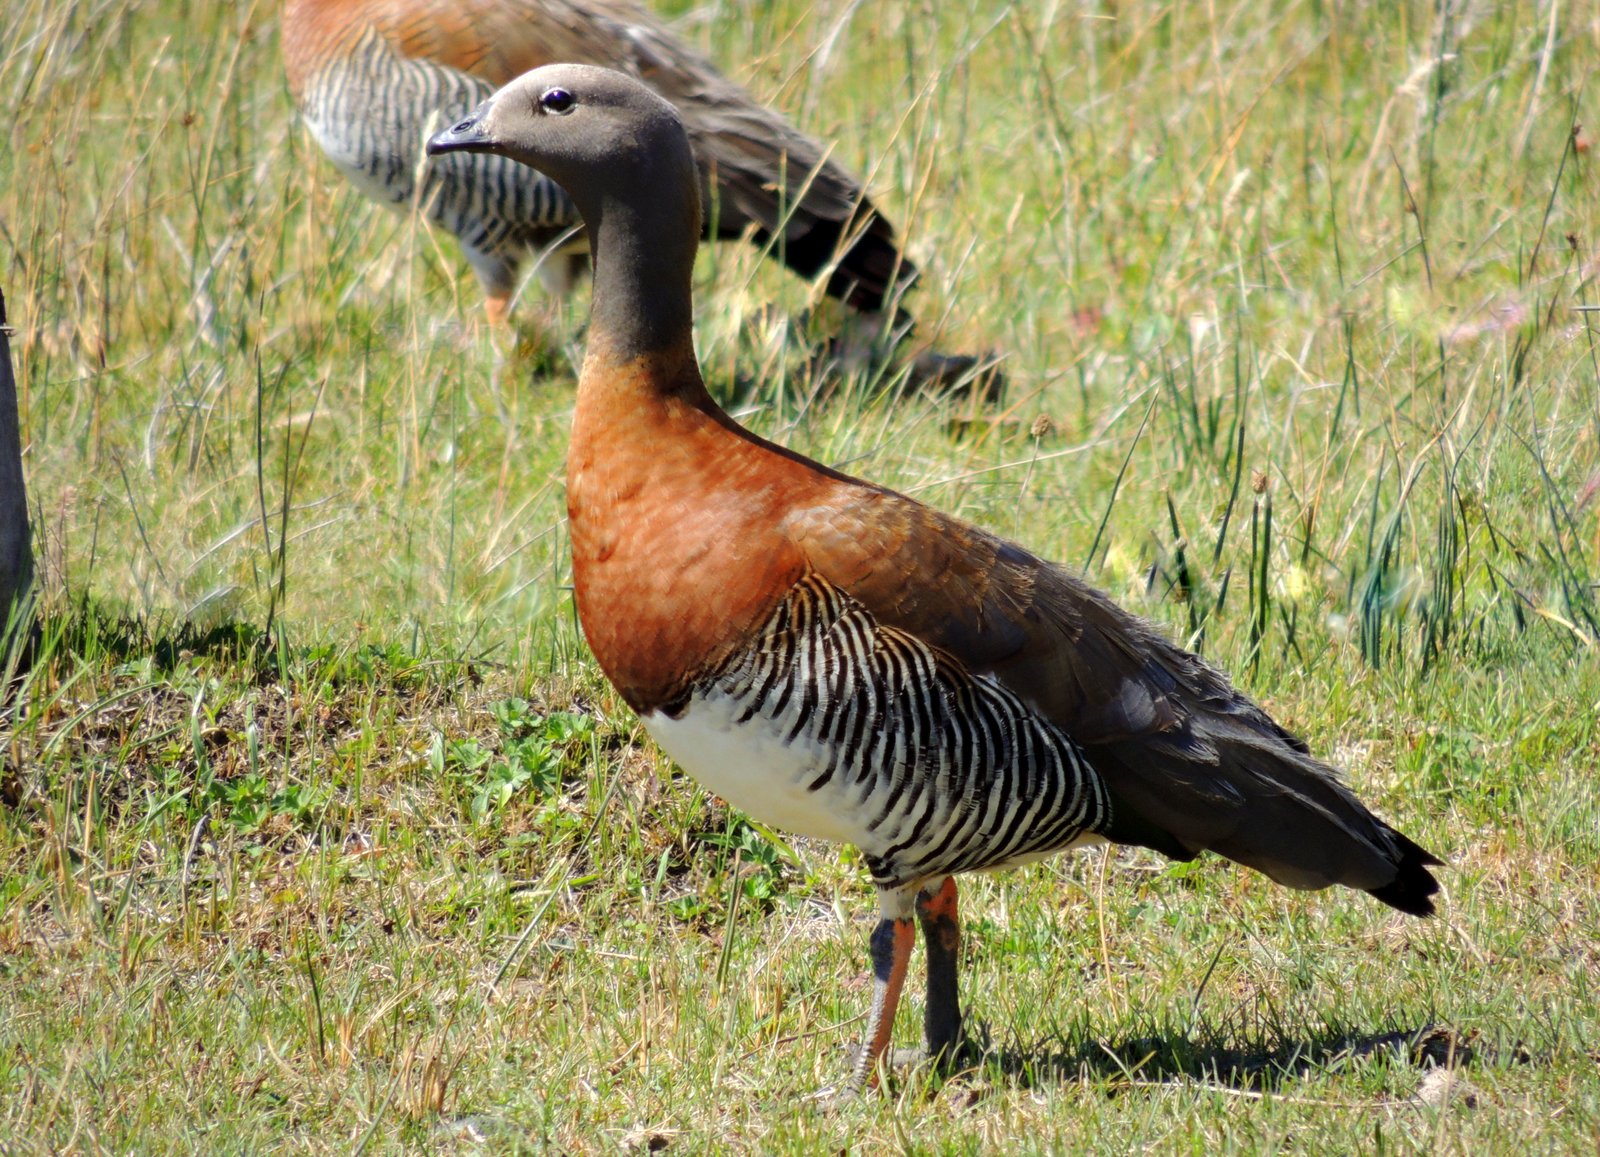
371,114
943,771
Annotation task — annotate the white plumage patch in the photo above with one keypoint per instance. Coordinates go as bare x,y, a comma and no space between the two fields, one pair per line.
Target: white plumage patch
749,765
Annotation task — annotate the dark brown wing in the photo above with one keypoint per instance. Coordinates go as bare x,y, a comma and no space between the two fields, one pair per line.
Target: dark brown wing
1191,763
762,172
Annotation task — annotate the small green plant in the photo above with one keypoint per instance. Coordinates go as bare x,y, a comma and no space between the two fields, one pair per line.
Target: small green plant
246,803
527,756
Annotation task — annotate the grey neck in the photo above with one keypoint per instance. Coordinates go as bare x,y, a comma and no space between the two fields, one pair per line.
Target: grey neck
643,250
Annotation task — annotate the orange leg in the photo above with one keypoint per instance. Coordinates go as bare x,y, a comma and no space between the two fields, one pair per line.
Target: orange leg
498,307
891,953
941,932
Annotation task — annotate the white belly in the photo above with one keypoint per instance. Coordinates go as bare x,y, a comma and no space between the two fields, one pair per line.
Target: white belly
750,766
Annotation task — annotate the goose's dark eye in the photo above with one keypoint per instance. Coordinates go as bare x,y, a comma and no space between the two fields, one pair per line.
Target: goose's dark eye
558,101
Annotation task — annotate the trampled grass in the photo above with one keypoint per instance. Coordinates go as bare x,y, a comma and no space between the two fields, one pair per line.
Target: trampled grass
320,831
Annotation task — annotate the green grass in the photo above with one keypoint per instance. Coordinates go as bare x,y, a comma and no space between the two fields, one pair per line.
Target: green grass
319,829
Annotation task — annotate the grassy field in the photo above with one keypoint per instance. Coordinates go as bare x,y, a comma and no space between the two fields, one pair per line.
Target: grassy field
320,831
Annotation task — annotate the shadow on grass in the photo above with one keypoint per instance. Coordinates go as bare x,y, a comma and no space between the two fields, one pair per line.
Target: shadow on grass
89,633
1178,1058
167,645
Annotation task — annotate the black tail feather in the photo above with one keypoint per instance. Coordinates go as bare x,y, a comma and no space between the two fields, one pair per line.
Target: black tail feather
866,275
1413,889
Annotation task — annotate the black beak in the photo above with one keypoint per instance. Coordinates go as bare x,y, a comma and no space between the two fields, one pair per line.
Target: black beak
465,136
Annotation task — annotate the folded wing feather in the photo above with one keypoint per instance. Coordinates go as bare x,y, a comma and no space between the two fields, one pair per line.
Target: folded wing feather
1190,762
